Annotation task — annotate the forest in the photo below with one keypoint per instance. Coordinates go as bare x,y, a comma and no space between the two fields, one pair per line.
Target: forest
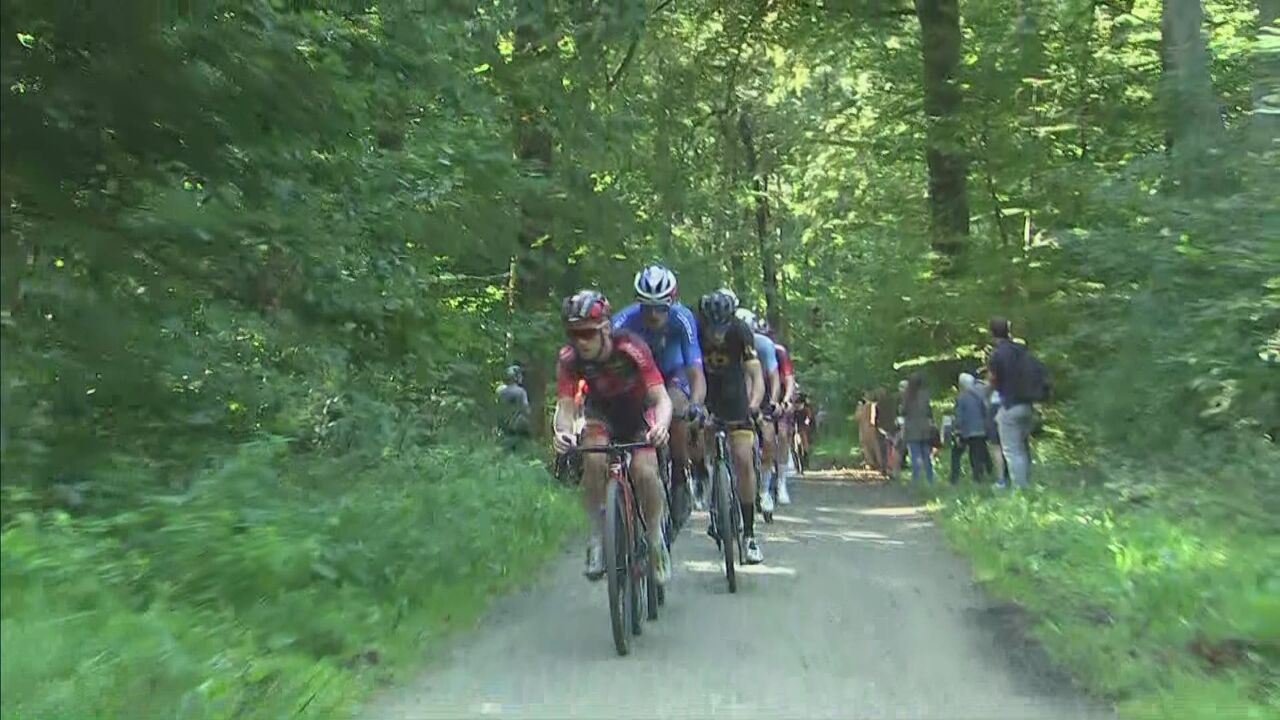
262,264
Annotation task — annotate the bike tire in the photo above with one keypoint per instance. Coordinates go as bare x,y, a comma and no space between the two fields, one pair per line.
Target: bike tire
653,591
724,522
618,548
640,575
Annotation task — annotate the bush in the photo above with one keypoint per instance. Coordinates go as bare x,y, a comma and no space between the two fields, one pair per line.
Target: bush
1150,589
269,589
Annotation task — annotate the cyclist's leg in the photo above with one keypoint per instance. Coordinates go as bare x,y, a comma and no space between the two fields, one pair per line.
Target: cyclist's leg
742,447
679,443
768,436
595,470
647,482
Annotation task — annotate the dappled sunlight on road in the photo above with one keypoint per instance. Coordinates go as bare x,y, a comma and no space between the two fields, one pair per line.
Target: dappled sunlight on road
709,566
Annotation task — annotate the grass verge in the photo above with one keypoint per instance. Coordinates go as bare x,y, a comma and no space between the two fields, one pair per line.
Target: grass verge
275,586
1163,595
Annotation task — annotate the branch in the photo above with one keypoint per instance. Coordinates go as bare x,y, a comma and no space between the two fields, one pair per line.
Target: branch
626,60
661,6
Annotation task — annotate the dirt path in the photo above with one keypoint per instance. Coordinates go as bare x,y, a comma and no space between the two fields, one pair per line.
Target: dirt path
859,611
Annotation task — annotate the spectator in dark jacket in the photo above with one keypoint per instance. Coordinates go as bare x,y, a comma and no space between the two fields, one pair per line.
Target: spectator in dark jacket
970,430
917,426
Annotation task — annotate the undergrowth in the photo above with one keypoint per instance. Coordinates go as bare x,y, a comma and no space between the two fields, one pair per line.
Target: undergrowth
277,585
1157,588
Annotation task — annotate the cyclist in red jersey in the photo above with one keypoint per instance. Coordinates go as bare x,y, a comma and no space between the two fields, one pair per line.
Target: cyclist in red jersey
626,400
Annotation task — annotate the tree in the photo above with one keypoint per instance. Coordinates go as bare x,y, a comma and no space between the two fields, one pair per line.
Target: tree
1192,110
945,152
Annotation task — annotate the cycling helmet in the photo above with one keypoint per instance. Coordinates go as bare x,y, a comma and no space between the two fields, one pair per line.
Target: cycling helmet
717,307
515,374
763,327
585,309
747,317
656,285
732,296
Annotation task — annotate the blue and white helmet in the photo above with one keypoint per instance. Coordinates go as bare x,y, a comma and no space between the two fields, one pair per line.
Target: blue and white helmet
656,285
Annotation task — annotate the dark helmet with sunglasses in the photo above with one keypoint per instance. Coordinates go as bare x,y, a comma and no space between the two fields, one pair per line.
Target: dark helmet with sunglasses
585,310
718,307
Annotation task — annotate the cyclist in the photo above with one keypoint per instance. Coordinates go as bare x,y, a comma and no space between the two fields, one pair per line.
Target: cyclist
735,389
768,355
805,420
786,425
671,332
626,401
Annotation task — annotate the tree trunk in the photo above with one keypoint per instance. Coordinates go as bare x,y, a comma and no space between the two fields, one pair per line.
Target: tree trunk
944,153
535,263
759,190
1265,124
1192,111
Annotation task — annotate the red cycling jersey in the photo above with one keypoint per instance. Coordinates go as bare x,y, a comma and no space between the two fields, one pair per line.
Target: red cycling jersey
626,375
784,361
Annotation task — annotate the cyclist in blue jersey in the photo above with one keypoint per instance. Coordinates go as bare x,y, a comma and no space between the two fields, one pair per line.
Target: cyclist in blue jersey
768,355
671,332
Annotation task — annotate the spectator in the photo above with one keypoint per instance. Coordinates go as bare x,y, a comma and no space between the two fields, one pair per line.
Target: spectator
513,404
970,430
1015,417
867,436
883,413
917,426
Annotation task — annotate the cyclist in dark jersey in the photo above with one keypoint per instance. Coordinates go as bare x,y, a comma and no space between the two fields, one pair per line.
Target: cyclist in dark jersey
735,388
627,401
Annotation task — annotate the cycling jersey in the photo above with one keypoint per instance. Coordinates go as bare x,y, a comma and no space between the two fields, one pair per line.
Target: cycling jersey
784,361
617,385
675,347
725,355
767,351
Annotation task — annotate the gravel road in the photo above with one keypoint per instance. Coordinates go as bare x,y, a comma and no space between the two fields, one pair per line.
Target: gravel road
859,611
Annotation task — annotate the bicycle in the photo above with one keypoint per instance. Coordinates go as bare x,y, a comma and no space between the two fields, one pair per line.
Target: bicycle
800,448
725,510
629,572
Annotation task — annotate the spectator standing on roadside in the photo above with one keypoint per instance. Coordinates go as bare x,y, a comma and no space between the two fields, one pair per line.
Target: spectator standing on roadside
513,404
970,430
917,426
1008,371
867,436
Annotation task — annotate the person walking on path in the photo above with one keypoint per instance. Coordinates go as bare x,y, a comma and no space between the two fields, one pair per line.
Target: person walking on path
917,426
1016,415
970,431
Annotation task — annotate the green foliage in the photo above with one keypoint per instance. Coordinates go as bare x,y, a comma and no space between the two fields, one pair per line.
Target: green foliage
269,588
1158,589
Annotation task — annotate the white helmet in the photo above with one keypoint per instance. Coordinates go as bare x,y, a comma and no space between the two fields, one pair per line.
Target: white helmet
731,294
747,317
656,285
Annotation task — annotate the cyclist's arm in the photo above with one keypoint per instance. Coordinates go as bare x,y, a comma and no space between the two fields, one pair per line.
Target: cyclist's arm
566,388
692,350
755,383
660,401
774,386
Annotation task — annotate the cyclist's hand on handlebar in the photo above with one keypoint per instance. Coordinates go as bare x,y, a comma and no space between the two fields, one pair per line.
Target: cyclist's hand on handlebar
657,435
564,442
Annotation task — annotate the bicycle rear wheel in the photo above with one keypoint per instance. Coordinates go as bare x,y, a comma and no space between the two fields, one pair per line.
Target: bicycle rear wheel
618,547
722,496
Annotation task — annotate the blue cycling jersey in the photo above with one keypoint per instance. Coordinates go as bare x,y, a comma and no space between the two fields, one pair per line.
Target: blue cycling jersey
675,347
768,354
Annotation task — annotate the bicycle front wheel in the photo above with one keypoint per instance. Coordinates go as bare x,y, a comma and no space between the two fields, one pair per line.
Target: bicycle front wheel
618,545
722,507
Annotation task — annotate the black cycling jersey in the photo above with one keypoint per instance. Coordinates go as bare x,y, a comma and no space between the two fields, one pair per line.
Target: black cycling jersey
725,353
